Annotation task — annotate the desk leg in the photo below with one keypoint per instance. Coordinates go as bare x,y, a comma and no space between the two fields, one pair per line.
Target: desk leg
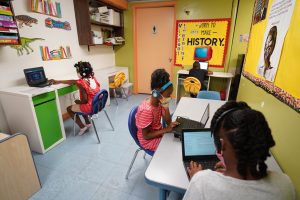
162,194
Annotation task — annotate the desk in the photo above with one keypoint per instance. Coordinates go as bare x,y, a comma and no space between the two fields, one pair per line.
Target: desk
182,74
166,170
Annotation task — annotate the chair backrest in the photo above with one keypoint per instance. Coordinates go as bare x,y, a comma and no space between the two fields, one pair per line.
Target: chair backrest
191,85
119,79
133,129
209,95
99,101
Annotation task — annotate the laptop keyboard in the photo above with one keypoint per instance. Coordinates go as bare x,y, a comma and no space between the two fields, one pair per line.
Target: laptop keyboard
207,164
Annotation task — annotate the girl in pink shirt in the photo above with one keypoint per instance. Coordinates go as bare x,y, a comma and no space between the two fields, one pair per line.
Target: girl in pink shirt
152,109
88,88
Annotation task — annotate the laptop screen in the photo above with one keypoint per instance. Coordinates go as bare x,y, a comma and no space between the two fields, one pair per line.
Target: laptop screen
205,115
35,76
203,65
198,143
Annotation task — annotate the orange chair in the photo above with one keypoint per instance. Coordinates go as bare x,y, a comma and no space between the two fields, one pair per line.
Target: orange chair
119,81
191,85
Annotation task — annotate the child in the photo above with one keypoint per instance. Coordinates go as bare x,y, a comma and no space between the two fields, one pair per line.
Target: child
243,137
198,73
88,88
152,109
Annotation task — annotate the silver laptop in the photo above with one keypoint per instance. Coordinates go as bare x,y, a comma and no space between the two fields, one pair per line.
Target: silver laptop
198,145
203,65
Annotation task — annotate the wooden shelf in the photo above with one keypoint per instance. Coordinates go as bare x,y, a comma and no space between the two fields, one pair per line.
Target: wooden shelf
104,24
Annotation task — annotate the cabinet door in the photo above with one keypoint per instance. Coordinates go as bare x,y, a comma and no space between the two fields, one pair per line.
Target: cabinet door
48,120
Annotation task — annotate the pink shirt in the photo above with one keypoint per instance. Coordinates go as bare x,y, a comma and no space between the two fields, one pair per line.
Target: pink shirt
148,115
91,92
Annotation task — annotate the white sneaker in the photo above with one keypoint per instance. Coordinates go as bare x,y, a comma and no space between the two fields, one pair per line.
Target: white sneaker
82,130
88,125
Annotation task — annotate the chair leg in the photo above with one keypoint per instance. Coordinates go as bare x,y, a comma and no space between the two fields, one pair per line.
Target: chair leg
115,96
109,120
95,129
132,161
74,124
144,155
124,93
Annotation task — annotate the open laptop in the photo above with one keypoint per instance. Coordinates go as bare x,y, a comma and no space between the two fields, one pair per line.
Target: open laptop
203,65
198,145
36,77
185,123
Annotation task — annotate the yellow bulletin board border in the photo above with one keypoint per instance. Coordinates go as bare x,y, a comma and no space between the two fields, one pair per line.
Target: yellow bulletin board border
277,92
204,20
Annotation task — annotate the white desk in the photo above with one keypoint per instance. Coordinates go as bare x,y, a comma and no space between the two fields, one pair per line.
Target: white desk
182,74
166,170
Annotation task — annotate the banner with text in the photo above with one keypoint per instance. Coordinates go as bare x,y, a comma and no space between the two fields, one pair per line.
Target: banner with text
196,33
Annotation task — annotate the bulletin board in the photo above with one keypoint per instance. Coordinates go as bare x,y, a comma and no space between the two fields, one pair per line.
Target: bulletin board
195,33
286,84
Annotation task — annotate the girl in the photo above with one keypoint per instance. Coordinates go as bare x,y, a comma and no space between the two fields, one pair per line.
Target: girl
243,137
88,87
151,110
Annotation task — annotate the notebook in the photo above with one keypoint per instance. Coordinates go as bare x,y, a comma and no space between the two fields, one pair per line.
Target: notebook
36,77
185,123
198,145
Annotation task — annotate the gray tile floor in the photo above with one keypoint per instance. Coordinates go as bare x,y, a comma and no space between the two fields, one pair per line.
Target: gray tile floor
80,168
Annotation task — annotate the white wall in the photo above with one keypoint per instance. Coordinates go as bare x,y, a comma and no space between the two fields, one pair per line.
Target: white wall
11,65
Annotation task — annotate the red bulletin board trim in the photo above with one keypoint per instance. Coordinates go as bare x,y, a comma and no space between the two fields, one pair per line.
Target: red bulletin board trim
204,20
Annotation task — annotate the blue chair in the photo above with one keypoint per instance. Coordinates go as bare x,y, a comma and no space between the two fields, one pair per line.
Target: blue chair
133,131
209,95
98,104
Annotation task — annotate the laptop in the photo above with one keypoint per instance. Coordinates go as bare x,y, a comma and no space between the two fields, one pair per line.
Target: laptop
203,65
185,123
36,77
198,145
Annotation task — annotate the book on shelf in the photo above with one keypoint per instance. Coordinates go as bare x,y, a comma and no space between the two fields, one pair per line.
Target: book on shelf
8,36
8,24
5,12
5,8
9,41
8,30
6,18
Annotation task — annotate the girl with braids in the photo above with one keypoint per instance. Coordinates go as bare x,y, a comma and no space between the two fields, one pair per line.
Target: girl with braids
88,88
152,109
242,136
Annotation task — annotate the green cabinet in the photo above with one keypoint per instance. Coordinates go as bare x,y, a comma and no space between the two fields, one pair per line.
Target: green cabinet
48,118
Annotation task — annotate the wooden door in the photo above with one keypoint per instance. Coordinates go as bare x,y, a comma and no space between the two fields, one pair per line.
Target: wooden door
154,37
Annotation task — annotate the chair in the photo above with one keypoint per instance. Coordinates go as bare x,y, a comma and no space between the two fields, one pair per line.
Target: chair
133,131
119,81
209,95
191,85
98,104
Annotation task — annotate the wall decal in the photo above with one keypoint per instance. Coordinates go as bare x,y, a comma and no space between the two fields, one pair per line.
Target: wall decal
24,45
51,23
56,54
25,19
47,7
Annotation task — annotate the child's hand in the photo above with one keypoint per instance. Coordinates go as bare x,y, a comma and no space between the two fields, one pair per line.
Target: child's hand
194,168
170,127
52,81
77,101
220,167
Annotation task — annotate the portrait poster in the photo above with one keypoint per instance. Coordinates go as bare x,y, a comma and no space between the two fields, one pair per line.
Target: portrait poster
276,29
198,33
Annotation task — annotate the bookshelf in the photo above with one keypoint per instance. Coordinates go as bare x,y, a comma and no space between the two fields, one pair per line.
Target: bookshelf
9,33
87,22
46,7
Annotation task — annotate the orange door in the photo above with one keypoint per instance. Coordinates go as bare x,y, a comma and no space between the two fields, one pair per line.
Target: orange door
154,37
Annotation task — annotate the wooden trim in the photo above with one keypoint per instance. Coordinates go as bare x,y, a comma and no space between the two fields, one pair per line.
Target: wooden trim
135,53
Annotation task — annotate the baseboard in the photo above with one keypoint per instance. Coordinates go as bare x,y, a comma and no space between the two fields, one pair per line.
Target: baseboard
65,116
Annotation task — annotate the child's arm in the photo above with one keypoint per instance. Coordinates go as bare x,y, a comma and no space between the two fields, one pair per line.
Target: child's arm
83,96
70,82
166,115
148,134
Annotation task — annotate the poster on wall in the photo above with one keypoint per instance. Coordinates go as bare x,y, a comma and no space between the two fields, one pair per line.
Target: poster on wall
191,34
278,24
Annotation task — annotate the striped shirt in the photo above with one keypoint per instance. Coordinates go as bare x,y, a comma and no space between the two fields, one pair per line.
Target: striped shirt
148,115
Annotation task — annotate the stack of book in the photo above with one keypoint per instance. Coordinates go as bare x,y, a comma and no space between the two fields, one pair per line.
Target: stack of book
8,27
47,7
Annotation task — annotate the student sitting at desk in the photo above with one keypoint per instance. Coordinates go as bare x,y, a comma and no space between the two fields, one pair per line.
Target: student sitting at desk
88,88
199,73
151,110
243,137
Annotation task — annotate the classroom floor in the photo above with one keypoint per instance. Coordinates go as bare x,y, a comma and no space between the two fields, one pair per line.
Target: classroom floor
80,168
